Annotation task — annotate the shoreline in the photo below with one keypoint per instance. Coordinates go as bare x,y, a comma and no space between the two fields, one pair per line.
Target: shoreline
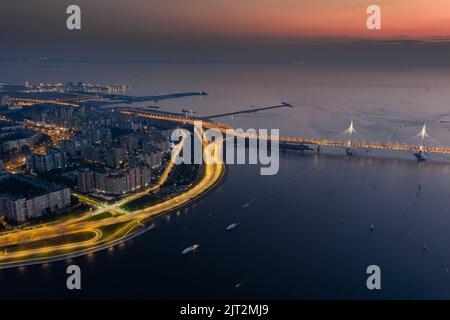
135,234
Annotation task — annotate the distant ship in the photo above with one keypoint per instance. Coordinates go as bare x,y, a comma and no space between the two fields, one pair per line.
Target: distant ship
190,249
232,226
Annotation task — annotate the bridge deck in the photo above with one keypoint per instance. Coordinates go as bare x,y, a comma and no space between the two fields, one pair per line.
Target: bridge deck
322,142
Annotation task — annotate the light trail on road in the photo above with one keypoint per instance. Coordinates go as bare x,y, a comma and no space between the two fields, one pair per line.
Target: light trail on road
212,174
224,128
213,171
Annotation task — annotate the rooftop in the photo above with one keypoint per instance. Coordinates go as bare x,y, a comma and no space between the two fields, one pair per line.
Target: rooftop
17,186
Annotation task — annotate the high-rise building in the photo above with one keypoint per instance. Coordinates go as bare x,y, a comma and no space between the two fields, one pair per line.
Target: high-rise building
114,182
17,141
86,180
153,159
23,197
115,157
152,155
50,160
92,153
129,142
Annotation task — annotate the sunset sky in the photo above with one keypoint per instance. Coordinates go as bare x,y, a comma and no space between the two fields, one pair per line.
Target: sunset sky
155,27
295,18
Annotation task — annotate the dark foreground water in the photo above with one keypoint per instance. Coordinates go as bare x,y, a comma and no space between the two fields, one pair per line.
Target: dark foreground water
305,232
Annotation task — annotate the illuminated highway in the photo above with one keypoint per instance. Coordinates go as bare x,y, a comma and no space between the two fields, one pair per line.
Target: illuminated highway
124,224
50,229
129,223
224,128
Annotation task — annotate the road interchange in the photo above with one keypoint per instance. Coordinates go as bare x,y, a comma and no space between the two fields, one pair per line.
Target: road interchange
14,245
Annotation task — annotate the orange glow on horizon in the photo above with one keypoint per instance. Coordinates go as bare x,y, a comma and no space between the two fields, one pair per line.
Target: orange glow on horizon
309,18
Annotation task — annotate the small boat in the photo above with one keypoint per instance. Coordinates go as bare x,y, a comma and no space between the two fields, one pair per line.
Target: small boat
232,226
190,249
248,204
372,227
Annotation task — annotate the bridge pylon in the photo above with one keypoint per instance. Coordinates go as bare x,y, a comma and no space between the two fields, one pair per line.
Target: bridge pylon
349,132
422,135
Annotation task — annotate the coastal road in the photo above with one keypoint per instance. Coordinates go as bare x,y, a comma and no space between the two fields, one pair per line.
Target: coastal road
131,222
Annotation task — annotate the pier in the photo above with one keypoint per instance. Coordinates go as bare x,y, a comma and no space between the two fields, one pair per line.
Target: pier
282,105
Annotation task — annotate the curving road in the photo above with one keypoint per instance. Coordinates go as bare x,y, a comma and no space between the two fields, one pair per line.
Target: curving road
129,224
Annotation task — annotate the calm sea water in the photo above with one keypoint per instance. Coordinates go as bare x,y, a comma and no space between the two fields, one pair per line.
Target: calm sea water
305,232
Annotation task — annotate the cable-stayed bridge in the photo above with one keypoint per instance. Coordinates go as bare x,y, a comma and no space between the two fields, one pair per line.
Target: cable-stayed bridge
347,143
